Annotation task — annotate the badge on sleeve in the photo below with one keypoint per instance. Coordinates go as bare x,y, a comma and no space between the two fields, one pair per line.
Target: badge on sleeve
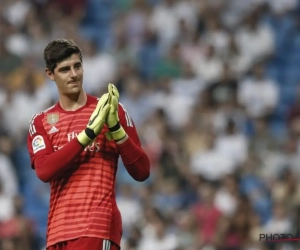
38,143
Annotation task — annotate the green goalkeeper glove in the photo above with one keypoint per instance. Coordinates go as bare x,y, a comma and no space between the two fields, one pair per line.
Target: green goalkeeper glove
96,121
112,120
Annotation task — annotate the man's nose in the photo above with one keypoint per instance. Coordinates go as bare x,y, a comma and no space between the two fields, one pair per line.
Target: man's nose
73,72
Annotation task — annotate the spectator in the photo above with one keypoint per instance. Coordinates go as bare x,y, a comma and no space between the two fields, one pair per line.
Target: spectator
211,164
95,80
210,66
8,176
207,214
233,144
255,39
258,94
156,235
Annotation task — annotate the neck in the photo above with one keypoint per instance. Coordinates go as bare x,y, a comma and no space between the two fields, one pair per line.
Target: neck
72,102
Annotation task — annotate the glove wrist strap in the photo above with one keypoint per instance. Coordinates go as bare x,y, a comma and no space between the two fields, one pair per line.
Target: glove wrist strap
115,128
90,133
118,133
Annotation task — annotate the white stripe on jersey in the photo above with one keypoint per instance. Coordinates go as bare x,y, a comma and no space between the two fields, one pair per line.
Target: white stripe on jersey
32,129
106,245
127,116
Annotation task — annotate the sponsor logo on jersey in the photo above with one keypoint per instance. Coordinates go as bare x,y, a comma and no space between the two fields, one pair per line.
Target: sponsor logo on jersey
52,118
93,147
38,143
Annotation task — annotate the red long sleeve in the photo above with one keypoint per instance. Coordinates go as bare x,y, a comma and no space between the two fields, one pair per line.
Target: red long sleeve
135,160
59,161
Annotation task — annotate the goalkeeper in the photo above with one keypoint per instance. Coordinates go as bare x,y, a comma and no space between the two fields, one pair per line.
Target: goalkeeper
75,145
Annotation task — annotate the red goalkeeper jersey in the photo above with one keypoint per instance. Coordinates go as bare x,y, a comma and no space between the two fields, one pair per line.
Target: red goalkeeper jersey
82,200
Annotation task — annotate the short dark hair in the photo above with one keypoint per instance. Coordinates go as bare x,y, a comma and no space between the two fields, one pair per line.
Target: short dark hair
59,50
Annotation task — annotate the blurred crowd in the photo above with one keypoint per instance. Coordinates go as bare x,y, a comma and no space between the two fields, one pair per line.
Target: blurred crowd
213,89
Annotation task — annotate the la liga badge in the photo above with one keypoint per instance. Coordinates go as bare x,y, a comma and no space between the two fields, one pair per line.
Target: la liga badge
38,143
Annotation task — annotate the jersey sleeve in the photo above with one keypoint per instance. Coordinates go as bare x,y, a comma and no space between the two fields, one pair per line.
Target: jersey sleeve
128,124
133,156
38,142
49,164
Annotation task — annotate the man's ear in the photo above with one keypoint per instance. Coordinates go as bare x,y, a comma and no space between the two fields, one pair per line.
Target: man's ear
49,73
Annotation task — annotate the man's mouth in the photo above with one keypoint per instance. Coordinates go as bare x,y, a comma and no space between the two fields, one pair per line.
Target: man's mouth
74,82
